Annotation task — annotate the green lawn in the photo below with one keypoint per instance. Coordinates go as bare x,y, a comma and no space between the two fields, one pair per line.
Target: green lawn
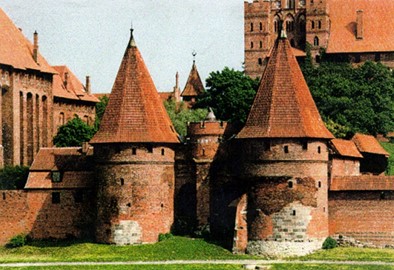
329,267
137,267
389,147
176,248
352,254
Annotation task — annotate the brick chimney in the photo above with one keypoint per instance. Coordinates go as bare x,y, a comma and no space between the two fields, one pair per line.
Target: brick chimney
65,79
359,22
35,47
87,85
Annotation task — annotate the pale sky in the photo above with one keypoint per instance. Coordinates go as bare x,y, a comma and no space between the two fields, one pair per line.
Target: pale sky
90,36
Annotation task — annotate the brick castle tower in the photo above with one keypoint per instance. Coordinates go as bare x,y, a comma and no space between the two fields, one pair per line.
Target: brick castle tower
285,161
134,154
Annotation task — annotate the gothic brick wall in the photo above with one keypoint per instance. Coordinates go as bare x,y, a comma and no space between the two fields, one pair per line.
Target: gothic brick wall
14,211
343,167
26,109
71,216
65,111
366,216
135,197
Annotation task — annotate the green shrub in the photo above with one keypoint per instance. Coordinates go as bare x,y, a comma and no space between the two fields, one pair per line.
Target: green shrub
165,236
329,243
17,241
13,177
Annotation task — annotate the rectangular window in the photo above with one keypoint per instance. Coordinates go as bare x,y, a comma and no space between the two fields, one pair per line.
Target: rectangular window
55,197
56,176
134,151
150,148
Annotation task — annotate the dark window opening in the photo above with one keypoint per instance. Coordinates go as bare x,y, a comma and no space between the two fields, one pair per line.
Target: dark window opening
251,45
316,41
319,24
121,181
162,152
382,195
56,176
276,26
251,27
324,209
55,197
286,149
150,148
78,196
260,61
128,204
261,44
312,24
267,146
134,151
377,57
261,26
294,212
3,195
319,149
304,145
319,184
290,184
203,152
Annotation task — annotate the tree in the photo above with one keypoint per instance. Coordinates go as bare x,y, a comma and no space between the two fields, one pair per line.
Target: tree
100,109
356,99
230,94
73,133
180,115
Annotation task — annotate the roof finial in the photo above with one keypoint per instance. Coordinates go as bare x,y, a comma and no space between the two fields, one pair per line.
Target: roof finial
282,32
194,56
132,41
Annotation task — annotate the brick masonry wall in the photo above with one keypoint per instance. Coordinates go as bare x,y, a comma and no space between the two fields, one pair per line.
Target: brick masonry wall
366,216
345,167
135,193
14,214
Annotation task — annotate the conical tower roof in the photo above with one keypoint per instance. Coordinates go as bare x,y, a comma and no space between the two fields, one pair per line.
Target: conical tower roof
194,86
135,113
283,106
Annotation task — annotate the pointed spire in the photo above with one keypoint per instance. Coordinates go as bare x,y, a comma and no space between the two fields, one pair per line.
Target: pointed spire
194,86
283,106
135,112
210,116
132,41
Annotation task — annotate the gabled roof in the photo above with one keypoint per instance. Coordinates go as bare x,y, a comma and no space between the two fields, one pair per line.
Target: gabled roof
362,182
283,106
135,112
368,144
16,50
194,86
75,89
377,22
77,168
345,148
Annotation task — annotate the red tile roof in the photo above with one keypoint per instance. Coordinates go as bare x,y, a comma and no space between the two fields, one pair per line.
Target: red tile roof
135,112
377,23
16,50
75,89
368,144
194,86
345,148
77,168
362,182
283,106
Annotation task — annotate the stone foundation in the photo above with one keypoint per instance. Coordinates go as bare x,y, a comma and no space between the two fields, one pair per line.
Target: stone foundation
283,249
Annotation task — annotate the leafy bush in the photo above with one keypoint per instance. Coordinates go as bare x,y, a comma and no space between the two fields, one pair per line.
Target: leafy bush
329,243
17,241
13,177
73,133
165,236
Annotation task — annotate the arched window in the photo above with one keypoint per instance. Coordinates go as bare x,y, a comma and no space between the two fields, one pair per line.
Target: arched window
316,41
319,24
251,27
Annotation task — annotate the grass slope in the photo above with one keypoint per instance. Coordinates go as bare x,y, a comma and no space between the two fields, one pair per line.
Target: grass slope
175,248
